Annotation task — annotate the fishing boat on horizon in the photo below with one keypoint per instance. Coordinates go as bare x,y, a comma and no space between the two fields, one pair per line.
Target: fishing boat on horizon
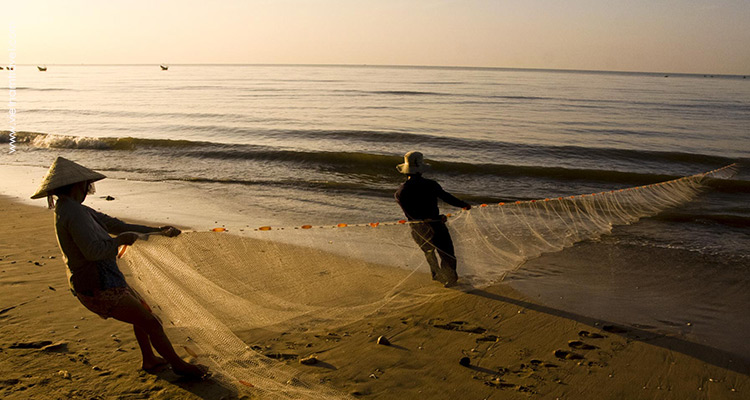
42,68
164,67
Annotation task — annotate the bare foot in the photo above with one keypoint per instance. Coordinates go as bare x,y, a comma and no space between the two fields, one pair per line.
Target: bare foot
154,365
190,371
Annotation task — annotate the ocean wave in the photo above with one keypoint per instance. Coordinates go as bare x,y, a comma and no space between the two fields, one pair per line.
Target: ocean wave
227,87
410,93
441,83
597,103
510,97
732,220
378,164
728,185
50,141
305,80
395,92
42,89
400,139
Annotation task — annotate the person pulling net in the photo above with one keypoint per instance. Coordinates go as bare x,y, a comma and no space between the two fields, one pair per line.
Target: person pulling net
418,198
89,251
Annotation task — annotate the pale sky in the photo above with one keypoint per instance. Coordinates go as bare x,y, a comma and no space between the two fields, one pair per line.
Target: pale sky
692,36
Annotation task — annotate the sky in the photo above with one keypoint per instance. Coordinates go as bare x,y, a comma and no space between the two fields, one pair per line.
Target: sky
678,36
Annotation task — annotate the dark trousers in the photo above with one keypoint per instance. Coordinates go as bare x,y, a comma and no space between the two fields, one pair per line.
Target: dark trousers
433,237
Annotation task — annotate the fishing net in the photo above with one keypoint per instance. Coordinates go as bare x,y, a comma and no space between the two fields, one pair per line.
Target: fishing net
216,292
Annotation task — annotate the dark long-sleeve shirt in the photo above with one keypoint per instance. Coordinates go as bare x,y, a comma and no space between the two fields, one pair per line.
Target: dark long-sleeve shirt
88,249
418,197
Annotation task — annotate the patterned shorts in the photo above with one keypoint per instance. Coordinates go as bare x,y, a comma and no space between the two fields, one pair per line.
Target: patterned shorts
102,302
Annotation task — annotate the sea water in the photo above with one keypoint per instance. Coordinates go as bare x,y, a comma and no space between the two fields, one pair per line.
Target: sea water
250,145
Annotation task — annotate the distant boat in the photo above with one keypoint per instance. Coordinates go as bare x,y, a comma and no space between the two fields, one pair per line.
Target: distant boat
1,68
42,68
164,67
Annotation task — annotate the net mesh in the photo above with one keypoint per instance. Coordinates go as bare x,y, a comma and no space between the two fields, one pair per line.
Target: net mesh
216,292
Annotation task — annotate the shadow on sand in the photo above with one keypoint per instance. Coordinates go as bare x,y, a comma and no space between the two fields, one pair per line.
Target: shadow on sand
702,352
208,389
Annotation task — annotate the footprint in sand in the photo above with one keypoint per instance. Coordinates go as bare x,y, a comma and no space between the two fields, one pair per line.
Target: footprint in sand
31,345
540,363
590,335
461,326
488,338
568,355
577,344
497,383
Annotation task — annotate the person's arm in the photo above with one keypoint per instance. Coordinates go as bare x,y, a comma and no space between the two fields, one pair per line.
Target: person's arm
92,246
451,199
115,226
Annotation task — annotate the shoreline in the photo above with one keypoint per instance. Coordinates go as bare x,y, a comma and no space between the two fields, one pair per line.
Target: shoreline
512,357
146,201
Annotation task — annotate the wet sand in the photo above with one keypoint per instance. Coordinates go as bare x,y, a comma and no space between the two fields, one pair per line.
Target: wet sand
52,347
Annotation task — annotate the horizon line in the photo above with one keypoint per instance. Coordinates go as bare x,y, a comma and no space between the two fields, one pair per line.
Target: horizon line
458,67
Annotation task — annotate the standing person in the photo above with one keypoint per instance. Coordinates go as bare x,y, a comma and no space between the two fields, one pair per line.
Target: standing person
90,256
418,198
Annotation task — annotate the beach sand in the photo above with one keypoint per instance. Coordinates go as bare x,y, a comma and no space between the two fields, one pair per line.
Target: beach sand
52,347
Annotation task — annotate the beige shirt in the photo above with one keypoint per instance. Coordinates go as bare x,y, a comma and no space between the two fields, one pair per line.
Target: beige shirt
88,249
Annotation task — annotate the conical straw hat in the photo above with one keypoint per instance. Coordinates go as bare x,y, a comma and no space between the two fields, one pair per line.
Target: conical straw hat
64,172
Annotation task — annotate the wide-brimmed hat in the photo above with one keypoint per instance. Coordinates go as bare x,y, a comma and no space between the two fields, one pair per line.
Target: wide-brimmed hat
413,164
64,172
